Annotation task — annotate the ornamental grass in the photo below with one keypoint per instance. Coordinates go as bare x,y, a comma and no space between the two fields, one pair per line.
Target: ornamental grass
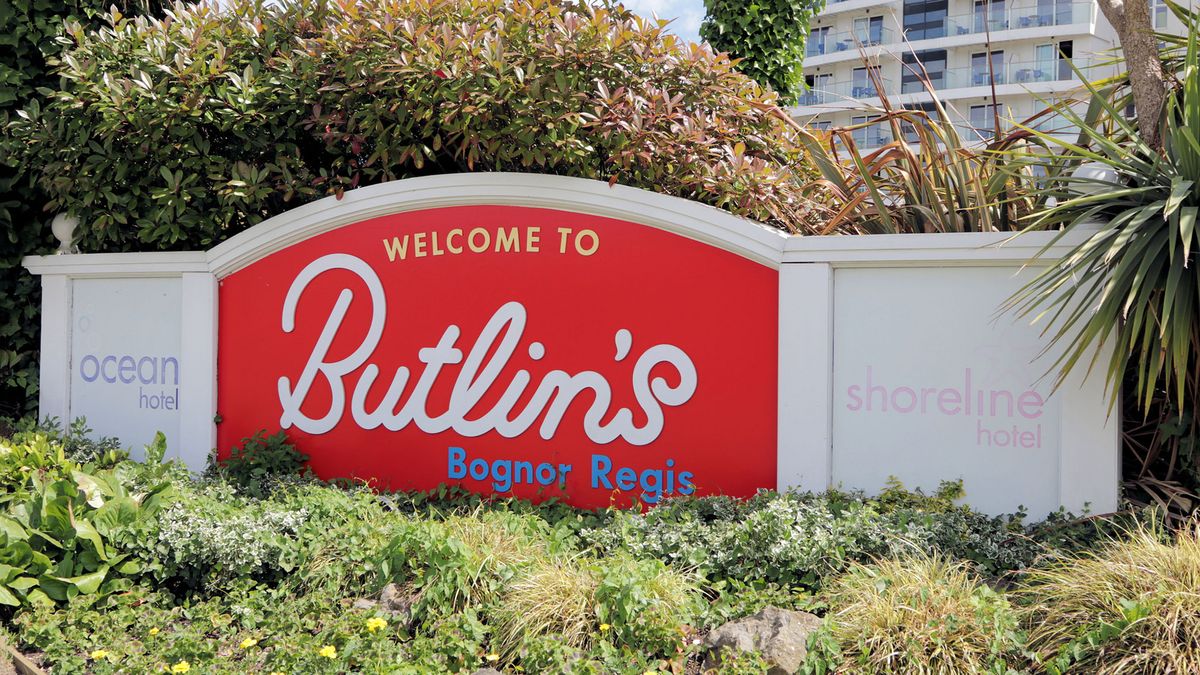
1131,607
583,601
921,614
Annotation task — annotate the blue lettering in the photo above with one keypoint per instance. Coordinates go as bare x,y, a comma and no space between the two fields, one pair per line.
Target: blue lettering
126,369
141,370
457,468
626,478
482,467
600,475
548,478
95,368
502,472
686,487
651,485
163,370
111,379
527,469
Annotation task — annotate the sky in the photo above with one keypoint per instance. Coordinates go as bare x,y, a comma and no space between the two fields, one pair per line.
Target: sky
687,14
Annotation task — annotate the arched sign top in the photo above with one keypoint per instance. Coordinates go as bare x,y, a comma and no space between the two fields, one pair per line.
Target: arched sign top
687,218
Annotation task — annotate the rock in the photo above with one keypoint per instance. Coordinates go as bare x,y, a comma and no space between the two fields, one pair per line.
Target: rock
397,601
365,603
487,671
780,635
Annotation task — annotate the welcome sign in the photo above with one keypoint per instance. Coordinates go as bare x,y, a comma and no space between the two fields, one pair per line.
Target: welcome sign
541,336
514,350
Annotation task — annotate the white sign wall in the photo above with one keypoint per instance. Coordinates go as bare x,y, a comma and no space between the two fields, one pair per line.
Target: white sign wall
892,359
942,388
125,363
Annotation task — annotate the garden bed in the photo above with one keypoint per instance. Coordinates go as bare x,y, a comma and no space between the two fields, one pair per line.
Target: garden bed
111,565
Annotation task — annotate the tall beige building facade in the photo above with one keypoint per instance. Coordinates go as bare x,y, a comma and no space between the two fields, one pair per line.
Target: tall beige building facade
982,56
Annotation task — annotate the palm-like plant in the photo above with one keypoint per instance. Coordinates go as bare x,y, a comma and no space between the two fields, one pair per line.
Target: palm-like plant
1136,266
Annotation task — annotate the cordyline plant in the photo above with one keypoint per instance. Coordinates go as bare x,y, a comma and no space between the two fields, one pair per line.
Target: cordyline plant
1136,266
932,177
180,132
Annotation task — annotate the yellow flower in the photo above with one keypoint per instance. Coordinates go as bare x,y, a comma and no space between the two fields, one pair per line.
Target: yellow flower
181,667
328,651
604,627
492,658
375,623
248,643
99,654
154,631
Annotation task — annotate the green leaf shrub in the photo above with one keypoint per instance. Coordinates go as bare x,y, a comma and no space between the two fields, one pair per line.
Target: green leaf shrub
64,530
260,462
801,539
202,574
28,32
767,36
211,537
463,561
181,132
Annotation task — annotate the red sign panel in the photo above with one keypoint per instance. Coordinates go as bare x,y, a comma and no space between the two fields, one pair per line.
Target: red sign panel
511,350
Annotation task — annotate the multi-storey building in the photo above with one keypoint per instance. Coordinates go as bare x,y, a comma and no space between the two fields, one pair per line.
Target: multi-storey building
981,56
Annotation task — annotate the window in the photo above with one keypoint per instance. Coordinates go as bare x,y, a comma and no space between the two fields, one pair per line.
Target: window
867,136
931,114
818,89
822,125
1052,62
1158,14
989,15
816,41
984,73
934,63
925,19
983,120
863,83
868,30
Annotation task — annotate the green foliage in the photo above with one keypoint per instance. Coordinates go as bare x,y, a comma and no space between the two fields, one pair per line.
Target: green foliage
211,537
800,539
639,604
28,29
1134,264
921,614
196,572
63,530
932,177
260,461
767,36
207,123
1133,606
463,561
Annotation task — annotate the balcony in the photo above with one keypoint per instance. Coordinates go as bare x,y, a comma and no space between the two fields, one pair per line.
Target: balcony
872,136
1013,72
820,44
841,92
1016,17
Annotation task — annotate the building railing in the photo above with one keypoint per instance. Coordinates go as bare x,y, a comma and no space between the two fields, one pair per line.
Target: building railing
1009,72
828,42
1014,72
841,92
1011,17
